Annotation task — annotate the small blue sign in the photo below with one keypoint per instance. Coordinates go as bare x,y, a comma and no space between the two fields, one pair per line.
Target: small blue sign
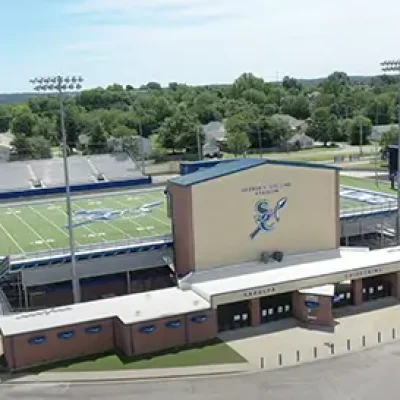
66,335
336,299
147,329
37,340
173,324
199,319
93,329
311,304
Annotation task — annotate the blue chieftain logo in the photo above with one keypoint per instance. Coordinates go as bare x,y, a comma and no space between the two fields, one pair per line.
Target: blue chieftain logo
267,217
84,217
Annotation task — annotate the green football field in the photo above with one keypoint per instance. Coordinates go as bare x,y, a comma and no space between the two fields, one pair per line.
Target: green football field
41,225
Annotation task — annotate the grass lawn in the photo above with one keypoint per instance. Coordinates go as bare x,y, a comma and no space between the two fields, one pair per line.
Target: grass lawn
209,353
368,184
370,166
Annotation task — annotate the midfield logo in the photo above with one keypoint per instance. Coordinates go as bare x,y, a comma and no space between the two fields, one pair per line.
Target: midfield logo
84,217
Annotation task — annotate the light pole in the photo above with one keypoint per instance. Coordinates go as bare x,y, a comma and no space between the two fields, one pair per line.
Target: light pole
59,85
394,66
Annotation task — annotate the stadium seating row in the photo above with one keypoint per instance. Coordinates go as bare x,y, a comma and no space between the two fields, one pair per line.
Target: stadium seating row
21,175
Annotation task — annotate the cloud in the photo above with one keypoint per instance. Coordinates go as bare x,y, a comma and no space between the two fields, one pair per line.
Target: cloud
202,41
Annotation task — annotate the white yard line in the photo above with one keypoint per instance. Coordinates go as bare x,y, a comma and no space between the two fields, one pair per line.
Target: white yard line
149,215
33,230
130,219
111,225
84,226
51,223
11,238
155,210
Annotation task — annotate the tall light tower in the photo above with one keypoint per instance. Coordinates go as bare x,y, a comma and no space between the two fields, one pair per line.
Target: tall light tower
60,85
394,66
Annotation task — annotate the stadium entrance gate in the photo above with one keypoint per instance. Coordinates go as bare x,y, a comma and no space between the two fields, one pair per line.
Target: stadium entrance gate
375,288
234,316
275,308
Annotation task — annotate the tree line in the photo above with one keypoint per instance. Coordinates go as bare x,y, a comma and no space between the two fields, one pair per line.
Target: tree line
99,120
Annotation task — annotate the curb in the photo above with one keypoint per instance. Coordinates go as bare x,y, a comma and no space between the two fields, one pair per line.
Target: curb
127,379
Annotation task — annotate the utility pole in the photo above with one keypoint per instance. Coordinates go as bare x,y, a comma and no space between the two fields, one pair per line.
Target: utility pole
199,149
361,137
59,85
394,66
375,148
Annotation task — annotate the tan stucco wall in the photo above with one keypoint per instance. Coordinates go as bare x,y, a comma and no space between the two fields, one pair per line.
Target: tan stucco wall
224,214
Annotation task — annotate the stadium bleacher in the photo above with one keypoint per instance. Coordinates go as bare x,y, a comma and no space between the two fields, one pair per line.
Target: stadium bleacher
115,167
14,176
21,175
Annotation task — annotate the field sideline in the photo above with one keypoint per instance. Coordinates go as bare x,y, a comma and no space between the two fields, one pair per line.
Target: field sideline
40,225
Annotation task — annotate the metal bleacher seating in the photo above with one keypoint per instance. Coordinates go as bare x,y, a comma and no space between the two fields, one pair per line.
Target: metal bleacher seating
115,166
23,175
51,172
14,176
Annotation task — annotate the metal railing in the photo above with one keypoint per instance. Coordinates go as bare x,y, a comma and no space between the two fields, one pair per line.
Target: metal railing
102,246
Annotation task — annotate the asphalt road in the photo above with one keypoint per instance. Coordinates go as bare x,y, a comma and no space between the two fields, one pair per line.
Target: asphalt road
368,375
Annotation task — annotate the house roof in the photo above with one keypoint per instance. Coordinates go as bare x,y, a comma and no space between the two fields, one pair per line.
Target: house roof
239,165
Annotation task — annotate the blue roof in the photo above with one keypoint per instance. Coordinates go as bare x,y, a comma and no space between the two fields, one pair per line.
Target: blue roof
238,165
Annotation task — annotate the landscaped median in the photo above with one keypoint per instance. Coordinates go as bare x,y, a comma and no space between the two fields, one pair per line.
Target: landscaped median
213,352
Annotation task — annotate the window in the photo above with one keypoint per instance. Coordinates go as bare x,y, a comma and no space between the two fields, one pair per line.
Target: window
66,335
147,329
37,340
92,330
198,319
173,324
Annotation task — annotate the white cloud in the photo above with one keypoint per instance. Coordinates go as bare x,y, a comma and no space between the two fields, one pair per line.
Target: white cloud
305,38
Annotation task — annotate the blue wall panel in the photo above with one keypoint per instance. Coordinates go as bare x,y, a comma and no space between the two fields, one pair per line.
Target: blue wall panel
89,187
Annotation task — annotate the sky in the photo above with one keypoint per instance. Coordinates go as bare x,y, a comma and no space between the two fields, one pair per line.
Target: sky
192,41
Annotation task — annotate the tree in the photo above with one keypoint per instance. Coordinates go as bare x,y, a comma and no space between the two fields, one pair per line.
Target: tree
122,131
205,105
389,137
292,84
98,139
237,139
324,126
5,118
247,81
180,131
31,147
46,128
296,106
360,128
21,146
24,121
39,147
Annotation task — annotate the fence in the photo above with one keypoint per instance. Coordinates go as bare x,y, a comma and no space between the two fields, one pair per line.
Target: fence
322,351
115,245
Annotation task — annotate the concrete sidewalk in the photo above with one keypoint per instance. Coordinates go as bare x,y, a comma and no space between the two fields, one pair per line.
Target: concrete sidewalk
287,343
129,375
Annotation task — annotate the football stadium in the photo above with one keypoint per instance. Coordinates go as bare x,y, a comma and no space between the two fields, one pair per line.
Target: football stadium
227,244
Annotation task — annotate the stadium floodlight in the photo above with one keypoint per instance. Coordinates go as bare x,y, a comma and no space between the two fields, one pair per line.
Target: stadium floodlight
394,66
59,85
